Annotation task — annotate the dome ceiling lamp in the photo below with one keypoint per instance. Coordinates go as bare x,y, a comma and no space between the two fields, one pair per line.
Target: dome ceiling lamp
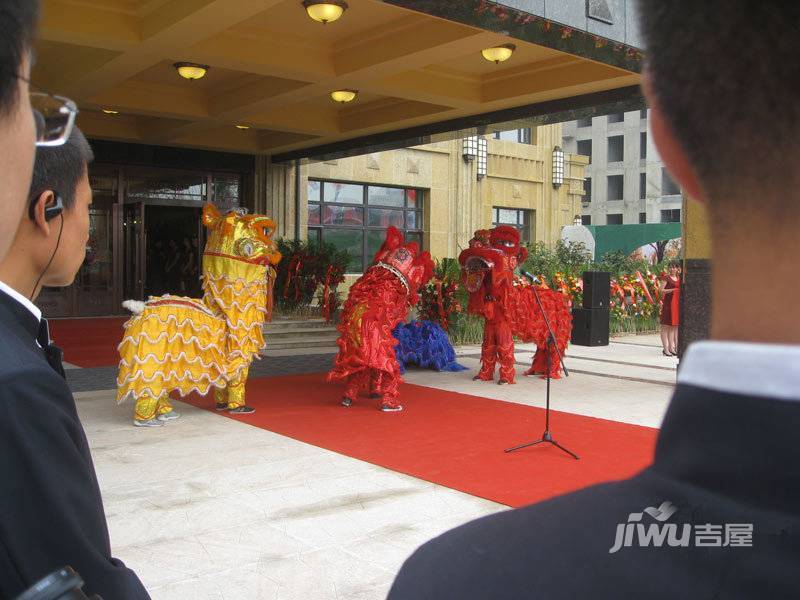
325,11
498,54
191,71
344,96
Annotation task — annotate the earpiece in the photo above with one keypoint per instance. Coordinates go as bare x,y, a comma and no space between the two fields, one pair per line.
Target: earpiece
50,212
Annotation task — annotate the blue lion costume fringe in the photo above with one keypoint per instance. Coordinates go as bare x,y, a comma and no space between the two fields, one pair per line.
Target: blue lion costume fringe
425,344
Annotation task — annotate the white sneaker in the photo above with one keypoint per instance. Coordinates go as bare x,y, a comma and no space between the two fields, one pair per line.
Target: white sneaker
148,423
169,416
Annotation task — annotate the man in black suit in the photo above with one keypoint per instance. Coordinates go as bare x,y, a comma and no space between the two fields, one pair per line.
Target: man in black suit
51,512
718,513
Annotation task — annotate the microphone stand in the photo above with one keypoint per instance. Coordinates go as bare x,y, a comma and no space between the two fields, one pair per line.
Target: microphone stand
547,436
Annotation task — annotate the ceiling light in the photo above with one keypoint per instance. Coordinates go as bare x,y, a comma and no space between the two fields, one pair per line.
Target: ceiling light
110,111
498,54
191,71
325,11
343,96
242,126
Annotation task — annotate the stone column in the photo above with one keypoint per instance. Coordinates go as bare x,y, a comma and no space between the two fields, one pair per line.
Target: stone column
695,300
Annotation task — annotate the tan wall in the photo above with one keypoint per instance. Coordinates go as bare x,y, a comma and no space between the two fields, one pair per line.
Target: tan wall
457,203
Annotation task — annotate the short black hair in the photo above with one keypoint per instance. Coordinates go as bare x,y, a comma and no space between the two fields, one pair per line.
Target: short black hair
726,77
18,20
59,168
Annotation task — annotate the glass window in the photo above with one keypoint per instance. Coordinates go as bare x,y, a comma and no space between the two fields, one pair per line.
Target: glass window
351,240
517,218
225,190
585,148
342,215
333,216
642,217
386,196
614,219
168,187
616,117
587,122
616,148
314,190
642,185
345,193
668,186
587,190
643,145
586,219
615,187
313,214
643,114
384,217
672,215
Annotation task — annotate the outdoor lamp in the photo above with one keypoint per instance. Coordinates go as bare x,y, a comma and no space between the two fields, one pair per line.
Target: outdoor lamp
577,220
498,54
191,71
344,96
470,150
558,166
325,11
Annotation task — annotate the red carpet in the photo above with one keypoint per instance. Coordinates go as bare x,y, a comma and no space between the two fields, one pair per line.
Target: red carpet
451,439
88,342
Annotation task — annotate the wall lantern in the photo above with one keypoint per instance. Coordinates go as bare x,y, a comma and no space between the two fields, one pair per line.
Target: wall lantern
483,157
558,166
191,71
326,11
498,54
577,220
344,96
470,148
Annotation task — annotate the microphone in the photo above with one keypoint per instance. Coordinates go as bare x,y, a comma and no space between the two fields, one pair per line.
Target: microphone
533,278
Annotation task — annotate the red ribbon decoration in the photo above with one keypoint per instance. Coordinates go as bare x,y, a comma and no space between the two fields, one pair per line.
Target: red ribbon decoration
326,304
294,265
442,316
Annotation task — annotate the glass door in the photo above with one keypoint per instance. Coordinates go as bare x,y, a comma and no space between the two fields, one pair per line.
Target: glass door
95,281
134,243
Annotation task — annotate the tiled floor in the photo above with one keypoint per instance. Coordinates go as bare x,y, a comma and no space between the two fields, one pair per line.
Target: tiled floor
208,507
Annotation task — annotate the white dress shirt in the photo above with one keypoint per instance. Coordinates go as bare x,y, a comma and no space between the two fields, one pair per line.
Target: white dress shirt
746,368
22,300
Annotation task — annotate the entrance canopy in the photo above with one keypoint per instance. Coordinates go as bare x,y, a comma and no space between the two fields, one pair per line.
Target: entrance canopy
628,238
415,64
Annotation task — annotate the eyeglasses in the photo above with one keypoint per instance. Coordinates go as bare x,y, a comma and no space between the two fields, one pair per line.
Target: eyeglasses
54,116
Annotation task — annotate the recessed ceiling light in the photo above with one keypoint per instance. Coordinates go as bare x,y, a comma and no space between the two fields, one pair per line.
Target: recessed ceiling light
242,126
110,111
344,96
191,71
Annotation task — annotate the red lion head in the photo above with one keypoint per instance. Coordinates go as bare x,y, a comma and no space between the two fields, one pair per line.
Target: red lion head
404,260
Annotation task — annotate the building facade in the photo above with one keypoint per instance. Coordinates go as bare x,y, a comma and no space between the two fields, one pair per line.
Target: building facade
626,181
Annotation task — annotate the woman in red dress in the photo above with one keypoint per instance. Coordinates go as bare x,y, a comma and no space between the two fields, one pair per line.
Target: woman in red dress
670,313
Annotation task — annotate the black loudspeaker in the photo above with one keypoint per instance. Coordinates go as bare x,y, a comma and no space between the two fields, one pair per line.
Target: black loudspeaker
596,289
590,326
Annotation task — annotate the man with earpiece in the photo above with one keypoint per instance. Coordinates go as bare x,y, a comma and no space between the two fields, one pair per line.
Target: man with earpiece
51,511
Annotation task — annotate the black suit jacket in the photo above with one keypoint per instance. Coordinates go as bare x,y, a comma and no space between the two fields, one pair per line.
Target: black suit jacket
722,460
51,512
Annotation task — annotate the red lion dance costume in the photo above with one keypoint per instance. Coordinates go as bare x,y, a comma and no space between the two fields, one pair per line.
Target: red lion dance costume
509,306
377,302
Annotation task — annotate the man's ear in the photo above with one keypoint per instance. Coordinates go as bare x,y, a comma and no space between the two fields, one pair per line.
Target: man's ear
670,150
37,211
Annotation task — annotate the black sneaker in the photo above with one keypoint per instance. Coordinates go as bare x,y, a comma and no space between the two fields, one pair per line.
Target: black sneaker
347,401
220,406
242,410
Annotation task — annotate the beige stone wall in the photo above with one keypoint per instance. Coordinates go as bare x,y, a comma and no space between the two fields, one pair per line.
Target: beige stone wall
457,203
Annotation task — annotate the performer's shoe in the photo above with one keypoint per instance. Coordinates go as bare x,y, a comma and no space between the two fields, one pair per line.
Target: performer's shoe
391,407
154,422
221,406
169,416
348,402
502,382
242,410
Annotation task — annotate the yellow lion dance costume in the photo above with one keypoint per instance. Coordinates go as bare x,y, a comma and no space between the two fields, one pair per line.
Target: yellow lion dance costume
190,345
